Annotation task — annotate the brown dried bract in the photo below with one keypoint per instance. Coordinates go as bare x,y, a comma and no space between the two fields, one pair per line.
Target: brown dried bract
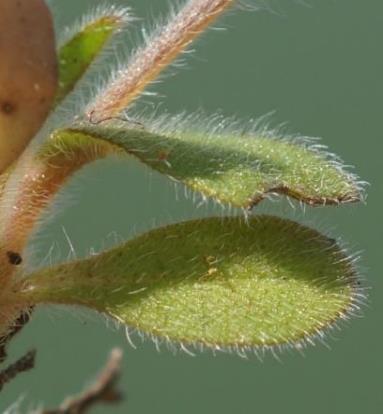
28,73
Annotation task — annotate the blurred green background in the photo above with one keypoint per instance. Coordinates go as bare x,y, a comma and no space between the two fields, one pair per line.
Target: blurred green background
319,67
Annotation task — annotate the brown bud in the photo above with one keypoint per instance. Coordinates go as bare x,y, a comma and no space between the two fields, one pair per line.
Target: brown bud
28,73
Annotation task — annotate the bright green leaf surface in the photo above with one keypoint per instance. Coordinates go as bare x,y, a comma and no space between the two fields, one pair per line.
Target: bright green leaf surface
217,282
76,55
237,170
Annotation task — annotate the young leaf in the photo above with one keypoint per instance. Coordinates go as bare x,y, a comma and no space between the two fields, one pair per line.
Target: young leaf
216,282
80,50
28,74
236,169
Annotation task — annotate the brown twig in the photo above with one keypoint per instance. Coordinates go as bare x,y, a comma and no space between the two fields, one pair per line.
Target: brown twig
23,364
102,391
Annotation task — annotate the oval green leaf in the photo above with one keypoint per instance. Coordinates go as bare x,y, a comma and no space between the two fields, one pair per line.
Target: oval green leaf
218,282
235,169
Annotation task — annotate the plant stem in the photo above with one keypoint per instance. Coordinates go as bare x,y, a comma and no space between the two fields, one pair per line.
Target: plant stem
159,51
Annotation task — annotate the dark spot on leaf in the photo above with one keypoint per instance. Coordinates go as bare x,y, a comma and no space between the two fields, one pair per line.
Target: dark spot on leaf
14,258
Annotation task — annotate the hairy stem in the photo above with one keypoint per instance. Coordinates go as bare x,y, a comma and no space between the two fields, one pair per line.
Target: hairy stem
158,52
31,188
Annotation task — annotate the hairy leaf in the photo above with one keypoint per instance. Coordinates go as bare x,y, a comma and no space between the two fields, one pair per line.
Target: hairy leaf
78,53
238,170
216,282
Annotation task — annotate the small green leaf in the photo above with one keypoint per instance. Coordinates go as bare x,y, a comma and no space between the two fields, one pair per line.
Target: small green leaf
76,54
219,282
240,170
